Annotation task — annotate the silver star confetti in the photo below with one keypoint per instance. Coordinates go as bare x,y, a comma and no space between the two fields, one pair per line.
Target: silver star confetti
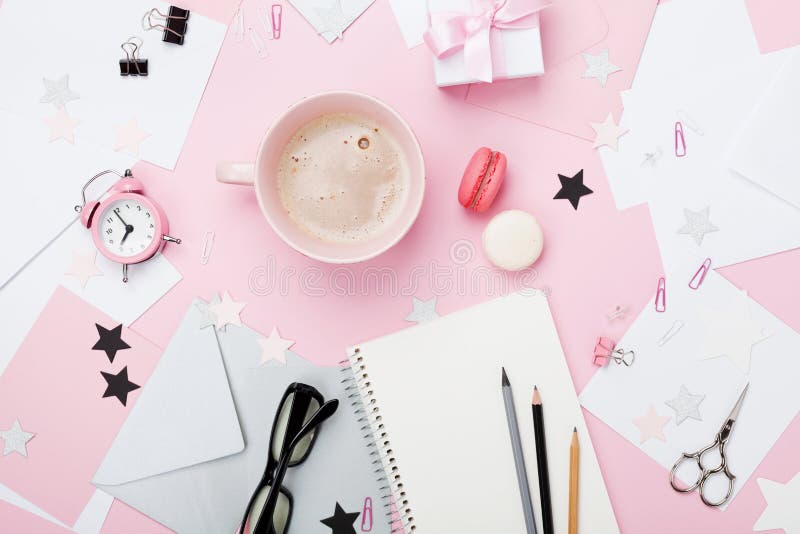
599,67
697,224
333,19
424,310
15,439
57,92
686,405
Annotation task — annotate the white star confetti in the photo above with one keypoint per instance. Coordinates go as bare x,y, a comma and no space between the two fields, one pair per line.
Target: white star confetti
83,266
686,405
781,511
15,439
599,67
129,137
274,347
697,224
62,126
732,332
424,310
226,312
608,133
57,92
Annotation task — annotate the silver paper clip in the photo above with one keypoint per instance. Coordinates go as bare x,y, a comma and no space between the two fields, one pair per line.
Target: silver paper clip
264,19
208,246
238,25
674,329
700,275
690,123
257,42
680,141
661,295
617,312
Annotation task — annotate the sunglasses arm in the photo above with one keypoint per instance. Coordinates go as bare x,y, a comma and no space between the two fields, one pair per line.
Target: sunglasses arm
324,412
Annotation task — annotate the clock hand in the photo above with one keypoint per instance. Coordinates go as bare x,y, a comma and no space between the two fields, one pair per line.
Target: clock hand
128,230
120,218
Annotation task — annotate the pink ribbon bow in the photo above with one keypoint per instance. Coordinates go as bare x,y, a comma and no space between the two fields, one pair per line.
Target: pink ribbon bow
452,31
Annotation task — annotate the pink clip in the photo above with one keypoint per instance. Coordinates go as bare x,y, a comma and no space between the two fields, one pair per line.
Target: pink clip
661,295
366,512
605,350
680,141
700,275
277,19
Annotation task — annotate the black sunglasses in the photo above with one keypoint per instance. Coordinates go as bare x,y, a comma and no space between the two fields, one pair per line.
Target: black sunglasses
294,431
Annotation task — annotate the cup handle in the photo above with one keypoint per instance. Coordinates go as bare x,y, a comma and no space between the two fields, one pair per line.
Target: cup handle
237,173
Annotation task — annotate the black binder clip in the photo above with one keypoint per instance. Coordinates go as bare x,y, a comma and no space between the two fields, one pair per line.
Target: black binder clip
132,65
174,23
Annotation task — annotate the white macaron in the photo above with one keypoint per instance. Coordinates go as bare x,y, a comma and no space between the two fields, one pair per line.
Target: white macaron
513,240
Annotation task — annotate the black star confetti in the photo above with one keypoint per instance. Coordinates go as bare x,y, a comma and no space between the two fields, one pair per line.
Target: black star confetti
110,341
341,522
572,188
118,385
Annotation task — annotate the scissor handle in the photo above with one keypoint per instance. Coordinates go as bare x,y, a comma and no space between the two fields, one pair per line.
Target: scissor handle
705,474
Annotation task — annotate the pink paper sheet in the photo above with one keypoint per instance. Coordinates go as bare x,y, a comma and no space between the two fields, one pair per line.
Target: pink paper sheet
775,23
54,387
562,99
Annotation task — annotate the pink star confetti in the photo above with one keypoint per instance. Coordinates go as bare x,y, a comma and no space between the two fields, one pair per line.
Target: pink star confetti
83,266
274,347
651,425
62,126
130,137
226,311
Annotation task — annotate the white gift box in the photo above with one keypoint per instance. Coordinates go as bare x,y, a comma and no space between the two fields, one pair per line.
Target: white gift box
516,53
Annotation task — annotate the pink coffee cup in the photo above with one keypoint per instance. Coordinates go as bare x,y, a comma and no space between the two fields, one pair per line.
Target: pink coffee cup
263,176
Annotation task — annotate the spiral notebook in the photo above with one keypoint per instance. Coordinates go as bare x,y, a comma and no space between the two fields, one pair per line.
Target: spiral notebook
432,396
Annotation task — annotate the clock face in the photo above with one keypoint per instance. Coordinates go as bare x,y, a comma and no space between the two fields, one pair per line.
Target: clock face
128,227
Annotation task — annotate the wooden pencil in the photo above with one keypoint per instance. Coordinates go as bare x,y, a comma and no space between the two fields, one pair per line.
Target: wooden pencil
574,464
541,461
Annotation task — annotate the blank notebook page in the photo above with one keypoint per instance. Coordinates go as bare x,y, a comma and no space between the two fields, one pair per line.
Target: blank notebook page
438,388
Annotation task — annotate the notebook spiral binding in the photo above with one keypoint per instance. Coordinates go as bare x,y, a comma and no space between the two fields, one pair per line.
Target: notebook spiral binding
363,401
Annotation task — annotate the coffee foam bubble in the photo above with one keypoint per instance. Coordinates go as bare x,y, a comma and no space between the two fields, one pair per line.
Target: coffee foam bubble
342,178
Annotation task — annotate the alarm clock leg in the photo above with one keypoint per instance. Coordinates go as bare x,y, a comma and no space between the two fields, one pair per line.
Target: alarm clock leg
171,239
125,272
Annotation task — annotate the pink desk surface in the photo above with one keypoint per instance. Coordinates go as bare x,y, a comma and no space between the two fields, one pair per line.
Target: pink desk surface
594,258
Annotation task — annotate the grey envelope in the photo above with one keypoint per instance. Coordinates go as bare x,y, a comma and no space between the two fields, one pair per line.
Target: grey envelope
210,497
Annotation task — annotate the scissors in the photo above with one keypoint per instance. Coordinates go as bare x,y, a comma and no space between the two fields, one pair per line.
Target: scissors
720,441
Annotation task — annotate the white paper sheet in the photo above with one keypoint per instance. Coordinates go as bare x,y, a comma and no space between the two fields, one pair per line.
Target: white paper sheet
89,522
708,77
42,183
51,38
412,18
331,17
618,394
766,150
22,299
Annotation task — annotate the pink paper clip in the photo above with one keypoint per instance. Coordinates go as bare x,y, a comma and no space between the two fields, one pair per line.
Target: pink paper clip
700,275
277,20
680,141
605,351
366,515
661,295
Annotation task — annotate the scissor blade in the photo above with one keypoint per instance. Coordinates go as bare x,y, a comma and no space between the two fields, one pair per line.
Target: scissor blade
738,406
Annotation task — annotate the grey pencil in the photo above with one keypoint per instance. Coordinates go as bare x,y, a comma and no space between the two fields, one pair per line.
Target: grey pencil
519,459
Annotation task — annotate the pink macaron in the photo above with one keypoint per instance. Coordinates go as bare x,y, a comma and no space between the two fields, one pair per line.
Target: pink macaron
482,179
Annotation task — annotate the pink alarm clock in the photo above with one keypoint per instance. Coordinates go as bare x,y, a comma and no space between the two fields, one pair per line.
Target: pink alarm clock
127,226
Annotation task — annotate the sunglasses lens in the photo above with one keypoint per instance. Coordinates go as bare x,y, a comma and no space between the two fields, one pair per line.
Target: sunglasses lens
294,412
280,516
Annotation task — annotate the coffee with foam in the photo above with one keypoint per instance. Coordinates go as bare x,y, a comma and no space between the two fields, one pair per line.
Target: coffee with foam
343,178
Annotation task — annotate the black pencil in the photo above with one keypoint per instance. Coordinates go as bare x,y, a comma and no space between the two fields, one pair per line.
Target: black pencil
541,462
